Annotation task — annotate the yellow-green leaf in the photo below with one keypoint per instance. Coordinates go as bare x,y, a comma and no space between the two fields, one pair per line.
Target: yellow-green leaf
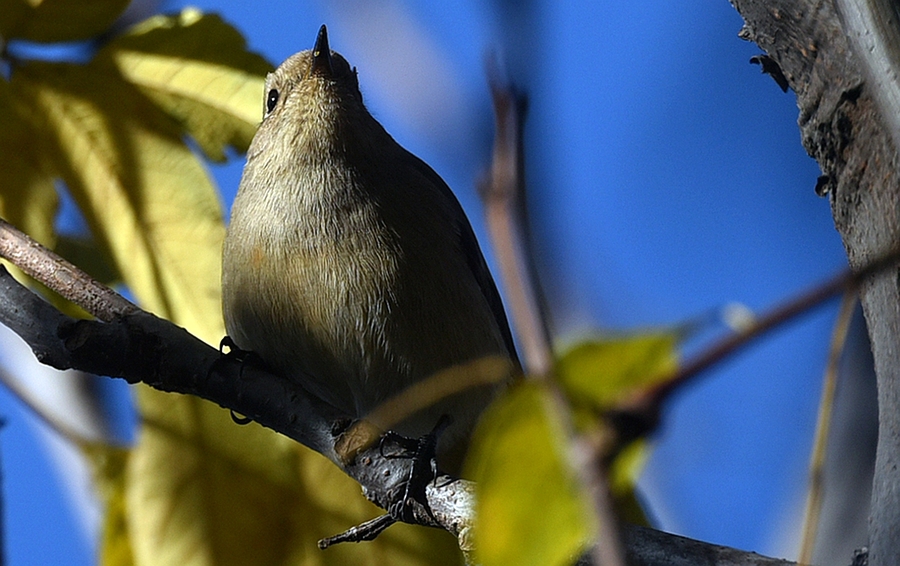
28,198
57,20
601,372
204,491
596,374
624,472
108,464
147,199
197,68
530,508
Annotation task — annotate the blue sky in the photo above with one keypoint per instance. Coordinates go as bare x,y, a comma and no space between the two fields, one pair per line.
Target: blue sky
666,179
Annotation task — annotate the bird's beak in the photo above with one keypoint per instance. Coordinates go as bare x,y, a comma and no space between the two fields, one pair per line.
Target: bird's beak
321,56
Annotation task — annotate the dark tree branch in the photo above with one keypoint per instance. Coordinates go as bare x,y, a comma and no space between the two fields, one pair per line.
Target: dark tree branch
140,347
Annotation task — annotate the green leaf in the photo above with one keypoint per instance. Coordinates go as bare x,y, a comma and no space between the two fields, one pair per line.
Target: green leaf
28,199
197,68
530,509
598,373
146,198
48,21
203,491
624,472
109,464
603,371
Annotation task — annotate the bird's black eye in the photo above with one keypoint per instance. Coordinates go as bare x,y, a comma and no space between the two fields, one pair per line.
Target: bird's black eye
271,100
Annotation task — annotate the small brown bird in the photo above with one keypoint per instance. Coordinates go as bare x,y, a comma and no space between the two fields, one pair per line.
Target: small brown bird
349,266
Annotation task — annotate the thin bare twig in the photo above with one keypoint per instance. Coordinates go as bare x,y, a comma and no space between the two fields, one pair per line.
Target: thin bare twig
823,426
49,418
503,194
647,403
61,276
590,454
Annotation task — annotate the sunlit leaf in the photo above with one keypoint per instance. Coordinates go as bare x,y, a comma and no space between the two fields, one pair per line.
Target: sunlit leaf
204,491
28,198
108,464
146,198
57,20
603,371
529,506
624,472
197,68
598,373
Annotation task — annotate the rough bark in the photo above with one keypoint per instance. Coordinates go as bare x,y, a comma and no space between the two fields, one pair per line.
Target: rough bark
841,97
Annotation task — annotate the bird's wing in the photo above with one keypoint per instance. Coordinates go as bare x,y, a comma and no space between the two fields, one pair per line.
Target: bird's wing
474,257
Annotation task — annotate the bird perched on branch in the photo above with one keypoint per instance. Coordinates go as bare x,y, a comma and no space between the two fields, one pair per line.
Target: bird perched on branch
350,267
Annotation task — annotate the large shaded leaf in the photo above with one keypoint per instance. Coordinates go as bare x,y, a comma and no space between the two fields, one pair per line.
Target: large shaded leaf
28,199
197,68
84,252
204,491
201,491
530,507
145,196
57,20
108,464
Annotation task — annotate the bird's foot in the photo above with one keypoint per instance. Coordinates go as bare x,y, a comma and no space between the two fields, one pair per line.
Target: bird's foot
424,469
230,351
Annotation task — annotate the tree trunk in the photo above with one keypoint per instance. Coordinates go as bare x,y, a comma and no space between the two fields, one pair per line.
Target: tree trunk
847,121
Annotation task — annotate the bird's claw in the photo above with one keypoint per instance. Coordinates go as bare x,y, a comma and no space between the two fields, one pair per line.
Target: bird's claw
424,469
